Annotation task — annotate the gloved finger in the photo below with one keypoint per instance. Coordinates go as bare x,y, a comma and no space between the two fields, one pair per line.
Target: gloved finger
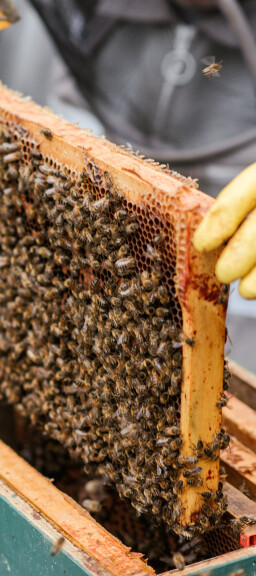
247,286
234,202
239,256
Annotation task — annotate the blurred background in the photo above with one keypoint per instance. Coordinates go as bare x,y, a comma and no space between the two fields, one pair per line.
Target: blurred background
30,63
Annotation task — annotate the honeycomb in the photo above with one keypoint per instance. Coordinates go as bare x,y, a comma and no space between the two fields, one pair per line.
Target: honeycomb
93,343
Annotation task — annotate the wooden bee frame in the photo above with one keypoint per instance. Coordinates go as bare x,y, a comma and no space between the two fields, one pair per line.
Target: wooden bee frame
177,200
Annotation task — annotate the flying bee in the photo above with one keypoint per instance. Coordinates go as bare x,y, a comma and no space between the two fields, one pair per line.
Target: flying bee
57,546
212,68
46,132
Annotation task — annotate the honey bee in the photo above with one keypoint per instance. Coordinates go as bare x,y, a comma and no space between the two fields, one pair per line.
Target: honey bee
212,68
12,157
190,341
187,460
195,482
120,215
36,154
159,239
132,228
223,298
125,265
92,506
204,521
222,402
12,173
174,445
225,442
46,132
192,472
55,549
6,147
153,254
209,453
178,487
206,495
173,431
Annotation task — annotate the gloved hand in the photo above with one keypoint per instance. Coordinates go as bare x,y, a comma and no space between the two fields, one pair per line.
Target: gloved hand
8,14
233,215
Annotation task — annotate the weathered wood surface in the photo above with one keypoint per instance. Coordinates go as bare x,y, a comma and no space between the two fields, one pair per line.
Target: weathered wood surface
238,503
240,465
240,421
243,384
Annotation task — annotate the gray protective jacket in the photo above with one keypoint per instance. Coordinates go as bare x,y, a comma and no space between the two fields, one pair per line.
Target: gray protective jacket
138,65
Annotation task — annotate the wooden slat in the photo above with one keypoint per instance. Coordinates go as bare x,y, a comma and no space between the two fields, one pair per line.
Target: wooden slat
69,518
200,390
238,503
243,384
240,465
240,421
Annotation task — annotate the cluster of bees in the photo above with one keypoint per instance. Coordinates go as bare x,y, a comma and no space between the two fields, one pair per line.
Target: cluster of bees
90,347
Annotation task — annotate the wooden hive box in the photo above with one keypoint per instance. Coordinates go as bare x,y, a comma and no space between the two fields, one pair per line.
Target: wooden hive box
97,244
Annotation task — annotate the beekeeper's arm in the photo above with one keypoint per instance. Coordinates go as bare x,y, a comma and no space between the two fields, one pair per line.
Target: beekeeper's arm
233,216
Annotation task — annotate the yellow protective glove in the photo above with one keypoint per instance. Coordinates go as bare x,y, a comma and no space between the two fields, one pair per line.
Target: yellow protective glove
233,215
8,14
